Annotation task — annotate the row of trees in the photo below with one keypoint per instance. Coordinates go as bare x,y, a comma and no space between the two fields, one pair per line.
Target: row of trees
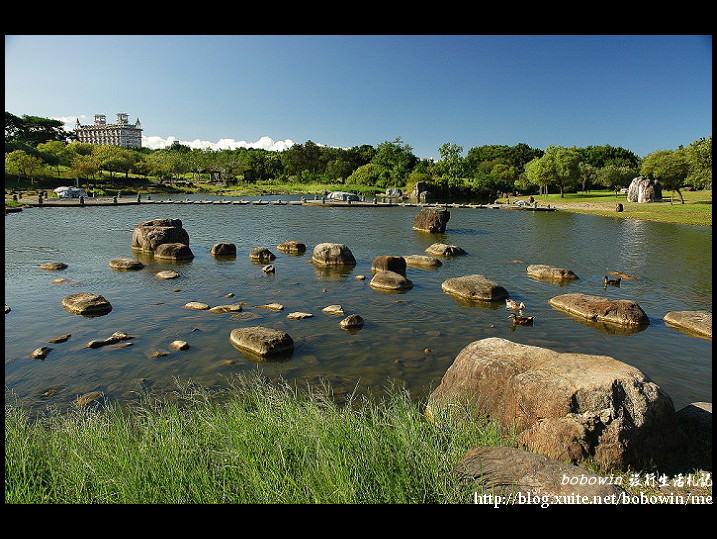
35,146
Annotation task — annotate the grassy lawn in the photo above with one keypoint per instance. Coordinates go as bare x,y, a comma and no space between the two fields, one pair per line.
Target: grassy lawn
697,209
260,443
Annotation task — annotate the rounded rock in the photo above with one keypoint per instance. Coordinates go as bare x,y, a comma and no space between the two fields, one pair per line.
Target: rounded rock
87,304
125,264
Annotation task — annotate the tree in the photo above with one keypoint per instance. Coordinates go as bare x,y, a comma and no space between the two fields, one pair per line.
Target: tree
33,130
451,164
397,158
699,158
615,176
23,164
558,165
669,167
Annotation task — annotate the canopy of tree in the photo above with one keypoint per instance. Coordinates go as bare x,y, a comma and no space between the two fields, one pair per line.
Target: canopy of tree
487,171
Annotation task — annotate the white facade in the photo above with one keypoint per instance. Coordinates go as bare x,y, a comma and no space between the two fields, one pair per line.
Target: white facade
121,133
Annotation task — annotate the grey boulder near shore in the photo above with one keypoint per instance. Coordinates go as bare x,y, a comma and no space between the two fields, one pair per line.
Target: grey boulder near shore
565,406
261,341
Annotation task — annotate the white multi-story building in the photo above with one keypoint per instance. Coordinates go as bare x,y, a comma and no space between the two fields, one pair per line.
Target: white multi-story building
121,133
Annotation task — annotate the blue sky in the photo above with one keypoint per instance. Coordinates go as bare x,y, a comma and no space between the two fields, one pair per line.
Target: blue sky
644,93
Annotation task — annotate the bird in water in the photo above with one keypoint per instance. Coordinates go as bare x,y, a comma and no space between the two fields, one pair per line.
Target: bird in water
513,305
612,282
521,320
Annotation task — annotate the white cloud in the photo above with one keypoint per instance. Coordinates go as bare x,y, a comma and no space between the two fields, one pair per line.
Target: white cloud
265,143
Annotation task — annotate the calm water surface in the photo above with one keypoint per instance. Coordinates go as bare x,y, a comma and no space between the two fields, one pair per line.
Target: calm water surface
410,338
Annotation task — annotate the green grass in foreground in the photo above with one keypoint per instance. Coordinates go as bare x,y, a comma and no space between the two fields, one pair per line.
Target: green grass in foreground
263,443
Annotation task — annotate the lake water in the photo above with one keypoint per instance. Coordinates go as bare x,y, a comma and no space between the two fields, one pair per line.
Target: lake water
409,338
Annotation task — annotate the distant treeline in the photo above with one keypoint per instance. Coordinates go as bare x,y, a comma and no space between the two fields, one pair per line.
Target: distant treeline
37,147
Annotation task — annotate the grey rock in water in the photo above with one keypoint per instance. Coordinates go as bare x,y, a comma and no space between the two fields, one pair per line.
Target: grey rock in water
443,249
474,288
389,263
148,235
291,247
53,266
223,249
333,254
433,220
551,273
173,251
699,322
600,309
125,264
261,254
87,304
262,341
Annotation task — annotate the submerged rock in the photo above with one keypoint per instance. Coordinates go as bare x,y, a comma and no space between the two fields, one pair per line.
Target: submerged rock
197,306
125,264
432,220
600,309
291,247
551,273
389,263
390,280
223,249
352,321
148,235
443,249
167,274
422,261
699,322
474,288
116,337
53,266
173,251
262,341
333,254
88,398
87,304
261,254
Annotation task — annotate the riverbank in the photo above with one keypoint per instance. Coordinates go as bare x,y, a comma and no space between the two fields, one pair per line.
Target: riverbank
697,209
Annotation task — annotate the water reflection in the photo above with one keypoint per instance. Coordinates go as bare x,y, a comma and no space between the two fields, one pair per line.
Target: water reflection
673,264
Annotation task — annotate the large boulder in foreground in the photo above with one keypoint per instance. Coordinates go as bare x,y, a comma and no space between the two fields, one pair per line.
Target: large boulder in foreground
565,406
87,304
474,288
148,235
509,471
600,309
431,220
699,322
333,254
550,273
262,341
